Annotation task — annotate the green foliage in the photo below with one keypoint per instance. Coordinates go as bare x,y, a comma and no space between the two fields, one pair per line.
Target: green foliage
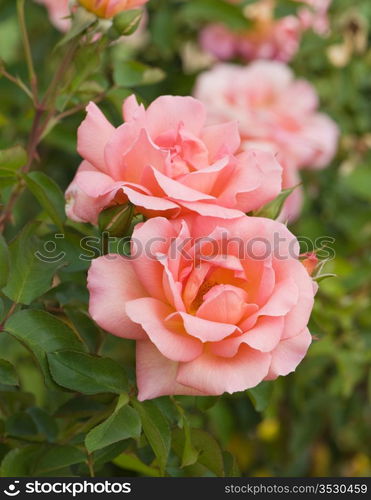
49,195
134,73
29,275
85,373
156,430
42,333
124,423
8,374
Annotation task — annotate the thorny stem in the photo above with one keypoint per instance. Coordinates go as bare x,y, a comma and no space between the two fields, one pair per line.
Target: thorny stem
39,125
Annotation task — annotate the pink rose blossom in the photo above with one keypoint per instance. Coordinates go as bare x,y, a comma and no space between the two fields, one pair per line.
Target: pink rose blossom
59,12
269,37
315,16
275,112
165,161
215,305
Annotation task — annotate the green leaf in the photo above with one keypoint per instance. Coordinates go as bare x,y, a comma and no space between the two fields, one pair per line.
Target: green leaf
29,275
87,374
4,261
230,465
124,423
18,462
86,62
133,463
216,11
208,450
82,20
156,430
8,375
46,425
206,402
20,425
322,277
134,73
49,195
190,454
126,22
42,333
273,209
116,220
86,327
59,457
11,160
210,454
261,395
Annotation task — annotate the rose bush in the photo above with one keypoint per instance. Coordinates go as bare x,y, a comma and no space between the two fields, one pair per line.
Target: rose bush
275,112
214,305
165,161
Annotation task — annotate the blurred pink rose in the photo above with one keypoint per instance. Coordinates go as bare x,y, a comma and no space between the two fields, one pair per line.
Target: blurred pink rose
215,305
275,112
268,38
165,161
109,8
58,12
315,17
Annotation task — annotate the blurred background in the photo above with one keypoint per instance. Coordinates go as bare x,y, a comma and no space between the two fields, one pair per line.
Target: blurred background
315,422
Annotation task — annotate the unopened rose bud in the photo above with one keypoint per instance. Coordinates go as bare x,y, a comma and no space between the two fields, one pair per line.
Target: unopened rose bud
109,8
310,262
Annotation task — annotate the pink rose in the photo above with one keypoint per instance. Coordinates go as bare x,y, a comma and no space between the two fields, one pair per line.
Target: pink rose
215,305
275,112
315,17
269,37
109,8
58,12
165,161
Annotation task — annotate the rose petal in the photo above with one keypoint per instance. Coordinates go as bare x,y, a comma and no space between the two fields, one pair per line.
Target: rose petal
92,136
151,314
215,375
156,375
108,280
288,354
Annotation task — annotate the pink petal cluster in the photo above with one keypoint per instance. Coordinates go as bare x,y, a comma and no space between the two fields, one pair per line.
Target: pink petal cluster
215,305
275,112
268,38
59,12
166,161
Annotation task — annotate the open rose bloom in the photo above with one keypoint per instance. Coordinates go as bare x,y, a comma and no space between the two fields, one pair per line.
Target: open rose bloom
166,161
275,112
215,305
109,8
268,38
